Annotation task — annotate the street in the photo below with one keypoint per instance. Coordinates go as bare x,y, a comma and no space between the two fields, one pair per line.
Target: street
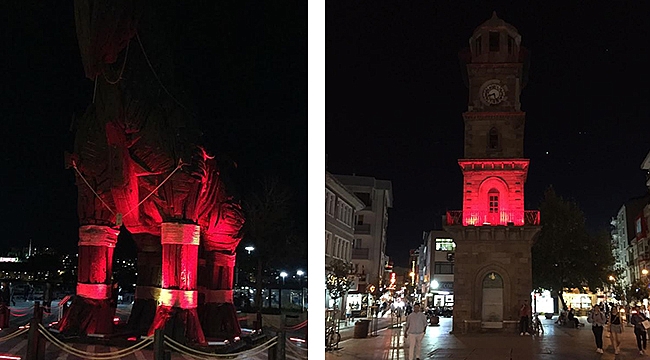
556,343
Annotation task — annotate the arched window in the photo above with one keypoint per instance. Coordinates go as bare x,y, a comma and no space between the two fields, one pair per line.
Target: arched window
493,139
493,198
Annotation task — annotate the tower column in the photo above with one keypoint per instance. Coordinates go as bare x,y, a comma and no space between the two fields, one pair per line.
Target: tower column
178,298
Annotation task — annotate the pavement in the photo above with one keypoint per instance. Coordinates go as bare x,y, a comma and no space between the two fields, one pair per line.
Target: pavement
556,343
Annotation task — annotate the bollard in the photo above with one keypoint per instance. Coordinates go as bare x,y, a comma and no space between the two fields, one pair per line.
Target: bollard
35,345
272,352
282,338
159,344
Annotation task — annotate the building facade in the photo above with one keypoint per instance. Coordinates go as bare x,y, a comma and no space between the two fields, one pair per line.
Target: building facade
493,232
371,223
340,209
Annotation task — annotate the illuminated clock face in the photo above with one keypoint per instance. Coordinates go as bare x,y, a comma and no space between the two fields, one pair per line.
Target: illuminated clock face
493,94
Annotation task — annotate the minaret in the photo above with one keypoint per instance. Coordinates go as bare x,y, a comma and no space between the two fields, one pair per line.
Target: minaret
493,232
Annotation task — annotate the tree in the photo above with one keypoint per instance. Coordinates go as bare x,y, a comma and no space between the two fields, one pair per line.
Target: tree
337,283
638,290
565,255
269,228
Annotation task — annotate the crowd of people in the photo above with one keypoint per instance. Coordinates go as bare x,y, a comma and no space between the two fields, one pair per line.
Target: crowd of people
612,318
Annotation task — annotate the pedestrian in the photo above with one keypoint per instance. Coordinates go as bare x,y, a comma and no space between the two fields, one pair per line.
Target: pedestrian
640,331
597,320
416,327
524,318
615,328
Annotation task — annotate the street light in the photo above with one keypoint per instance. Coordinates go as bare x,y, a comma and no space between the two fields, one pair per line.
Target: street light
283,275
644,272
300,273
249,249
434,284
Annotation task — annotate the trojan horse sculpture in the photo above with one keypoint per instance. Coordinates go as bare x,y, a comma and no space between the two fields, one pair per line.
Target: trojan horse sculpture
140,166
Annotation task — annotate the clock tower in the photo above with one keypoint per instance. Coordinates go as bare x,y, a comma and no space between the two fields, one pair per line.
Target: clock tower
493,232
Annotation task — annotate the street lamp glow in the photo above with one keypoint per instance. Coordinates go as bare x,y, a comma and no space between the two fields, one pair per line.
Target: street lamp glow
300,273
611,278
434,284
283,275
644,271
249,248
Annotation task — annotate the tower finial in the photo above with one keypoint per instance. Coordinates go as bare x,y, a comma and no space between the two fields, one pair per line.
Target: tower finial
494,14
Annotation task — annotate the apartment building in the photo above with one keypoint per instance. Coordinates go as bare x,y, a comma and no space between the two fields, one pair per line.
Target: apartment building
370,225
341,206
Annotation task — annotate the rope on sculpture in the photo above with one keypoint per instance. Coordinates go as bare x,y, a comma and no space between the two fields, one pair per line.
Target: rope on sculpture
14,334
95,89
297,349
94,356
74,165
119,77
157,78
297,326
174,345
180,165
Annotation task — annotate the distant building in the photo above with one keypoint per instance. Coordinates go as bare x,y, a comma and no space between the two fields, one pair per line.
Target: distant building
438,269
629,238
340,208
371,223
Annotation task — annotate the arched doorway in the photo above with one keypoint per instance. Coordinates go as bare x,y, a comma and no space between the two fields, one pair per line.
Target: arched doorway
492,309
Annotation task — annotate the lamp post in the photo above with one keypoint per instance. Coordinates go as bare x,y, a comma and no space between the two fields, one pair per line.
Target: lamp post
300,273
283,274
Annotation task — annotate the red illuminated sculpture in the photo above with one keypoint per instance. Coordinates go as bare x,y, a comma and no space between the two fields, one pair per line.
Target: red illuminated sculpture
140,166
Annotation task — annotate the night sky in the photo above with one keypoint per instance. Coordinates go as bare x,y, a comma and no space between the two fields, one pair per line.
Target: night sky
395,97
243,65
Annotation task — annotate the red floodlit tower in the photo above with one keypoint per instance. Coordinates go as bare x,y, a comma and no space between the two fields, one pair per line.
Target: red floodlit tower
493,232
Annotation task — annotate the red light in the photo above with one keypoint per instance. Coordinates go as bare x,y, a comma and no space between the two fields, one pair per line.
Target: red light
10,357
116,320
297,340
132,338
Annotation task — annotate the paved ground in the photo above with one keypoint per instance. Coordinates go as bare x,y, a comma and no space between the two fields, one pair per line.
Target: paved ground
556,343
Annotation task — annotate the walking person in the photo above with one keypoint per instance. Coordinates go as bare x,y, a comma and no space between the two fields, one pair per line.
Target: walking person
615,328
640,331
597,320
416,327
524,318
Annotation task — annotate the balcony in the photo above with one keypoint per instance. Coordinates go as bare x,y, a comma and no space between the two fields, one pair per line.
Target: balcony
455,217
360,254
362,229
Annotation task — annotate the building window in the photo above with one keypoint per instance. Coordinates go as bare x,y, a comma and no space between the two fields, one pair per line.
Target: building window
494,41
443,268
477,45
356,243
493,196
330,203
328,240
359,219
511,45
493,139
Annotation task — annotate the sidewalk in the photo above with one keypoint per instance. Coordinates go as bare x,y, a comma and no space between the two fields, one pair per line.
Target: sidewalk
557,343
347,331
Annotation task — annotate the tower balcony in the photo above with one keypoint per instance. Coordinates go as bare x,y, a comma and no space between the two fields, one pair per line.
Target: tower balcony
529,217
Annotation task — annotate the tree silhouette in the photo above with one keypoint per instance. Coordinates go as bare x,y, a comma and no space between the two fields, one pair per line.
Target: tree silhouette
565,255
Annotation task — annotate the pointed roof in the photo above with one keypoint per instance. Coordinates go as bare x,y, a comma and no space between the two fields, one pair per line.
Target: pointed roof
496,23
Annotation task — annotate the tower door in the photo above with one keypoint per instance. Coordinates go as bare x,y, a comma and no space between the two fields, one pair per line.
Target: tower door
492,314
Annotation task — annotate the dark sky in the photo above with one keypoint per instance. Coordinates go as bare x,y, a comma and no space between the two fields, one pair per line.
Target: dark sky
243,65
395,95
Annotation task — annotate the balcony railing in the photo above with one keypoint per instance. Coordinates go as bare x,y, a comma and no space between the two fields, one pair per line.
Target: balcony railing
360,253
362,229
531,217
